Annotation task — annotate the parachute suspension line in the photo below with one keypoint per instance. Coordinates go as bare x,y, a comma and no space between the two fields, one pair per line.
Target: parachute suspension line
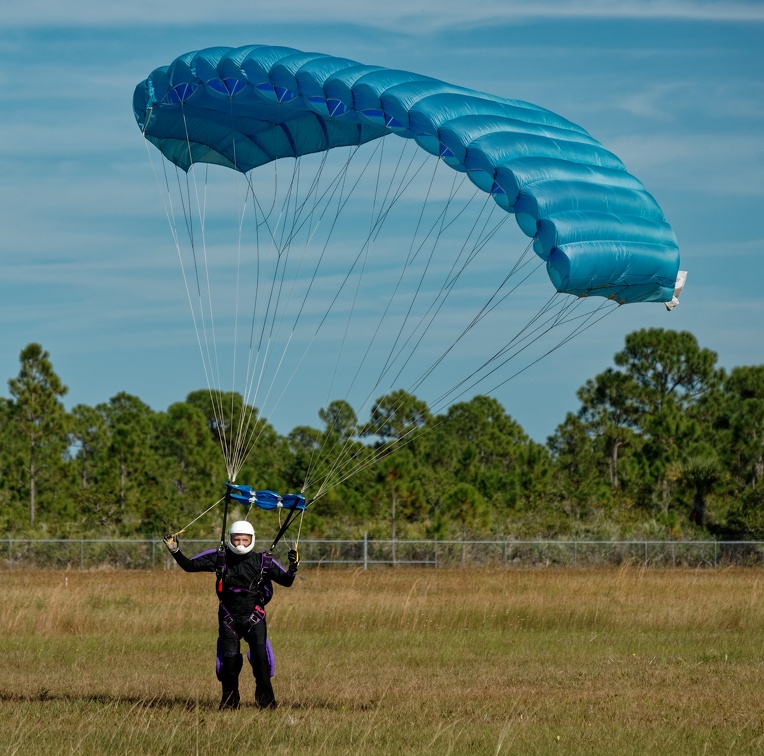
439,224
255,358
299,528
292,513
440,220
316,454
246,425
330,307
415,433
411,255
342,472
287,244
247,412
270,309
531,337
251,437
209,354
256,434
438,303
366,248
443,291
199,517
201,207
326,198
484,310
441,297
387,448
553,322
606,307
283,526
246,422
312,203
387,205
199,328
234,467
343,457
378,219
349,460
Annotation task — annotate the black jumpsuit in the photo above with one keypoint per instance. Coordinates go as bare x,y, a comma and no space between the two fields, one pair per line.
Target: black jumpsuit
241,616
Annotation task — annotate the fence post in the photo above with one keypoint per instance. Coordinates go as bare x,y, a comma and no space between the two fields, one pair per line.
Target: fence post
153,552
82,554
715,549
10,552
575,552
435,552
365,550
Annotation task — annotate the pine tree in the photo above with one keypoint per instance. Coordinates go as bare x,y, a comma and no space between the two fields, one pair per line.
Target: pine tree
40,416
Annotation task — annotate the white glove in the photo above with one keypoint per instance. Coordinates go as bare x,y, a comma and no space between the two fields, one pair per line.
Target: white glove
172,542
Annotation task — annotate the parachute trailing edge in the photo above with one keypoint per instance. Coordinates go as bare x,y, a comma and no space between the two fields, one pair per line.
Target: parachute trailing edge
594,224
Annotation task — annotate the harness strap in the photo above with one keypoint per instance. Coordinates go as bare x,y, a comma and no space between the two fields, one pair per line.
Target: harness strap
266,560
220,565
231,623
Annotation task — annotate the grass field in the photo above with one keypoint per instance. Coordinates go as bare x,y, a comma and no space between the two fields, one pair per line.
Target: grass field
625,661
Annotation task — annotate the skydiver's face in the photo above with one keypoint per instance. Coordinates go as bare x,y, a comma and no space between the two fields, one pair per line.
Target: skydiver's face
239,539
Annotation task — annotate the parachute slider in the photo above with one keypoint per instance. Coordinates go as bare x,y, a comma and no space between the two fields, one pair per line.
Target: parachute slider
267,500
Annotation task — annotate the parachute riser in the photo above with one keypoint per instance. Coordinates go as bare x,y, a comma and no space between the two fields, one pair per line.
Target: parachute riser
220,564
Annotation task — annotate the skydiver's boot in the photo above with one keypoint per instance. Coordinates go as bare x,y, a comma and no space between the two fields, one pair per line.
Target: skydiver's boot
230,699
229,679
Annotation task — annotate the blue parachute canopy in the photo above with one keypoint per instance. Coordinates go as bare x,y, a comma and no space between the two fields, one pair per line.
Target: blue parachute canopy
593,223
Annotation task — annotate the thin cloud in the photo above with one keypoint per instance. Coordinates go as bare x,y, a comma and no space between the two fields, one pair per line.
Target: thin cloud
650,103
701,163
392,15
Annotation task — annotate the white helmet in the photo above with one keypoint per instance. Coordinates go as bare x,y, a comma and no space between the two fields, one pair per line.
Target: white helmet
241,527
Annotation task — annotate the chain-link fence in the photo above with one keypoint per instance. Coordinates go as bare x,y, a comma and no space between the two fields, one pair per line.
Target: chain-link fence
368,553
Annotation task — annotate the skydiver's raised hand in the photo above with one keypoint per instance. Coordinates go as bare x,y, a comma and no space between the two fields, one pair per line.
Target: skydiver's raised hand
172,542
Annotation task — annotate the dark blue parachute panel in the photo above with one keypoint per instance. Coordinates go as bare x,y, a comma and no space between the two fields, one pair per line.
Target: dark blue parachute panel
594,224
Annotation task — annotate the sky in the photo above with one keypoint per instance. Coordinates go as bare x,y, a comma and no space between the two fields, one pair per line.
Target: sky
89,269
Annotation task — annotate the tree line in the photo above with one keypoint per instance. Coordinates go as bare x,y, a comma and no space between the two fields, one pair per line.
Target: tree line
664,444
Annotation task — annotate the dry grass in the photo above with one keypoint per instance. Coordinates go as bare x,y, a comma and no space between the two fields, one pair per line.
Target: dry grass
391,662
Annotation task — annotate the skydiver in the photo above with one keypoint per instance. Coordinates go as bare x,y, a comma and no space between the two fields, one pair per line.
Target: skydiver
244,586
